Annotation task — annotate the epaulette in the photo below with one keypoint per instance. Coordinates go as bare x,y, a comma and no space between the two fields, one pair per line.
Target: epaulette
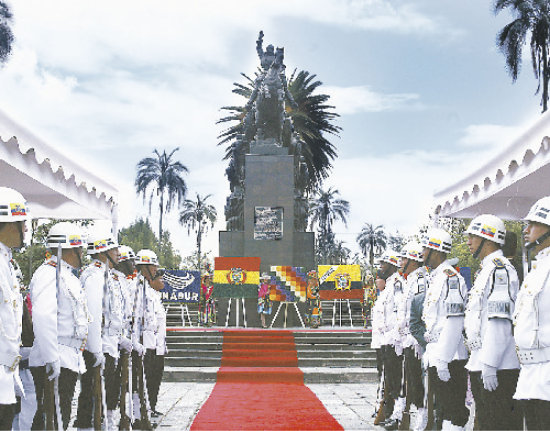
499,263
130,277
449,272
115,277
97,264
52,263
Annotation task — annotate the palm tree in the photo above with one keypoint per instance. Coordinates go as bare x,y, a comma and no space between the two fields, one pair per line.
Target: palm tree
6,36
163,176
311,120
196,215
371,239
531,16
326,208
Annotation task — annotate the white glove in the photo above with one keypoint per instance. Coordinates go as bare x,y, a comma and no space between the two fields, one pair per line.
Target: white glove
125,344
489,375
53,369
398,349
138,347
443,371
99,359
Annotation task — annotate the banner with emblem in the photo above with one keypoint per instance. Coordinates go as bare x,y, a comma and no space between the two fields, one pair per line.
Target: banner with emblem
289,284
340,282
181,286
236,277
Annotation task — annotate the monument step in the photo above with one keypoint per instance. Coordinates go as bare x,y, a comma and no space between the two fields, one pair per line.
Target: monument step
311,375
305,363
355,354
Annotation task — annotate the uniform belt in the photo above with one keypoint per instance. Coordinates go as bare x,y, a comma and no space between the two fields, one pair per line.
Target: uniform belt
77,343
533,356
431,338
10,360
112,331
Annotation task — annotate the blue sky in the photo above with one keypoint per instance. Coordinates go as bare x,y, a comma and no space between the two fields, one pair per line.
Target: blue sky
422,91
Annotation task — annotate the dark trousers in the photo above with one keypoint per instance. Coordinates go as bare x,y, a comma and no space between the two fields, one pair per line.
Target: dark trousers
111,374
154,368
537,414
66,386
450,397
7,413
393,372
379,361
413,375
497,410
86,399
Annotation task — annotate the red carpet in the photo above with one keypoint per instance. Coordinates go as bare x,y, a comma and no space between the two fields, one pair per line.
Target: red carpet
260,387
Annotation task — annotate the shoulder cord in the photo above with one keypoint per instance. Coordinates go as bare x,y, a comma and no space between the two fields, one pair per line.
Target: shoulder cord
2,330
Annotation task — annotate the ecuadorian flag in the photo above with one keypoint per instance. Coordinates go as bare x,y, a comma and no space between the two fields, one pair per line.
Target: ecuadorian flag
236,277
340,282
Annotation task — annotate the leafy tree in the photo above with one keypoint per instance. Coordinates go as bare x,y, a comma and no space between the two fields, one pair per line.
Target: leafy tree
530,17
161,176
197,215
6,35
325,208
139,235
372,239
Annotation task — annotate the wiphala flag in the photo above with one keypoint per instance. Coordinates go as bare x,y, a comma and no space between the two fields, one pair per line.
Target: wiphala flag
236,277
289,284
340,282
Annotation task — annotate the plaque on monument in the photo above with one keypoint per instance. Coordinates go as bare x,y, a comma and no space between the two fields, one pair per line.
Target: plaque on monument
268,223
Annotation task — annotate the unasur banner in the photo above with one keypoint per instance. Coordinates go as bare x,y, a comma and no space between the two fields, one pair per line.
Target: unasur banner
181,286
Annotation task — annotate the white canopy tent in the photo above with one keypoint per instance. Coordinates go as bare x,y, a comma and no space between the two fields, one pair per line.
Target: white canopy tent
53,184
507,185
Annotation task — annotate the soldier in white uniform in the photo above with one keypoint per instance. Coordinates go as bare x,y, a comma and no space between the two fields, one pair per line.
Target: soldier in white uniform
13,214
105,327
392,360
493,363
154,323
415,275
60,320
532,322
443,314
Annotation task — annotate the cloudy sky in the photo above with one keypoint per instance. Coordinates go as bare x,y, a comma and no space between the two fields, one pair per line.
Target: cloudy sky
422,91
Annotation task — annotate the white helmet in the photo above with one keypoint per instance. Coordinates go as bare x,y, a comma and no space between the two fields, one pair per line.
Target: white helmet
390,257
540,211
437,239
413,251
489,227
126,253
146,257
13,206
100,240
69,235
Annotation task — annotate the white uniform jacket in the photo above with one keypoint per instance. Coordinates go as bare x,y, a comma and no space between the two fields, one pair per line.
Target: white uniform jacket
415,282
444,315
378,320
59,317
532,331
394,292
11,312
127,290
113,309
94,278
150,322
161,324
489,329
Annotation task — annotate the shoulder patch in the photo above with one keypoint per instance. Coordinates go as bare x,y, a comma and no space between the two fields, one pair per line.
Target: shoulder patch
97,264
449,272
51,263
498,263
115,277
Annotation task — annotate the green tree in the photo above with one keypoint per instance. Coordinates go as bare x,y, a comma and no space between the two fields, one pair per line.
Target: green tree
6,35
530,17
161,176
372,239
198,215
139,235
325,208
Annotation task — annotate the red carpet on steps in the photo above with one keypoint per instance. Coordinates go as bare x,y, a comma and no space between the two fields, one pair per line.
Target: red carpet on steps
260,387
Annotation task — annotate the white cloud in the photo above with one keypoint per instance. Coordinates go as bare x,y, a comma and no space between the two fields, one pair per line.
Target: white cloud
488,137
357,99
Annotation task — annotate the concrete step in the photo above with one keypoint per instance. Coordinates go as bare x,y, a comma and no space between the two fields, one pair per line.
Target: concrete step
311,375
187,361
327,354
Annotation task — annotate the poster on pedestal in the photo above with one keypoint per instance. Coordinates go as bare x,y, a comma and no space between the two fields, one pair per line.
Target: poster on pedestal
236,277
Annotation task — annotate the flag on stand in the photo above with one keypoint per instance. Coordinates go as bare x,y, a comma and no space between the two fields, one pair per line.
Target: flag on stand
340,282
289,284
236,277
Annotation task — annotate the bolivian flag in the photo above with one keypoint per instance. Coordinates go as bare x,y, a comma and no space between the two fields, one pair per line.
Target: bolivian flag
236,277
340,282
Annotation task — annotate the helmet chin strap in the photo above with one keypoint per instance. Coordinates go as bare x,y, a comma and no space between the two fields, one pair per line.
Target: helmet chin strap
78,257
538,241
406,266
110,258
427,260
476,253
